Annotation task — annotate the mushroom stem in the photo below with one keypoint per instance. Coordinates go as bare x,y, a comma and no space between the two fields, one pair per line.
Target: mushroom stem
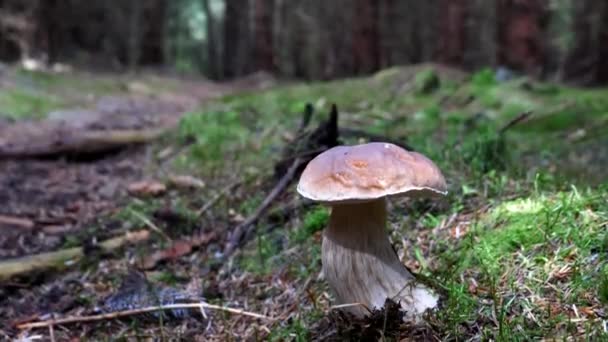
361,266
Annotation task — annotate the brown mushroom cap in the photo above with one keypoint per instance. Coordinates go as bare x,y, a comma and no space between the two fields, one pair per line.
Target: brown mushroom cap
370,171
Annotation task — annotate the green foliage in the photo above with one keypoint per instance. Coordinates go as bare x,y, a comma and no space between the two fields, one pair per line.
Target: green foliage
250,204
483,79
19,104
257,261
426,82
459,308
295,330
520,244
485,150
217,135
314,221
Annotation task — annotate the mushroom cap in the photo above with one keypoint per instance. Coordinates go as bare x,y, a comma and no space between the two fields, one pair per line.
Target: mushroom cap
370,171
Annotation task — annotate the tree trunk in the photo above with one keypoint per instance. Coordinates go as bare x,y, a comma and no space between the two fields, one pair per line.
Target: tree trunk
520,34
481,32
585,61
263,35
452,32
236,37
365,36
212,50
602,66
134,42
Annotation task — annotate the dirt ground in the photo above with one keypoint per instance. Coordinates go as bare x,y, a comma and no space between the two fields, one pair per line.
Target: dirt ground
52,201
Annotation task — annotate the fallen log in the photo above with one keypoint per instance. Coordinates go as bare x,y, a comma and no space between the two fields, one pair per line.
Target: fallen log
30,141
58,259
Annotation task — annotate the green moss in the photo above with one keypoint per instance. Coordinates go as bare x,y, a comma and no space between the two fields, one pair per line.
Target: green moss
19,104
314,221
216,135
293,330
426,82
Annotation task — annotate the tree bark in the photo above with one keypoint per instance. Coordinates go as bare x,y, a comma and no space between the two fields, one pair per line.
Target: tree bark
602,72
452,31
365,36
263,35
212,48
134,46
520,34
236,37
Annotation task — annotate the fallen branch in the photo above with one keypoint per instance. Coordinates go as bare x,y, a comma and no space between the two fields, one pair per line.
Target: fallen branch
118,314
13,221
28,143
243,230
296,156
57,259
516,120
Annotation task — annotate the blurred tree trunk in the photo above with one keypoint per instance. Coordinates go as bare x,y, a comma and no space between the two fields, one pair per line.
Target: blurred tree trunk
263,35
602,72
134,40
585,63
481,33
365,36
212,48
452,31
19,25
521,26
236,37
388,37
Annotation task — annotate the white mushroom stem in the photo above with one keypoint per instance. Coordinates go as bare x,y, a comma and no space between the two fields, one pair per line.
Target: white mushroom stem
361,266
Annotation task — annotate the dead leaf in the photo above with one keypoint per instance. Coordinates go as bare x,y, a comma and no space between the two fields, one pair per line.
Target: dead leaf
146,188
186,182
177,250
588,311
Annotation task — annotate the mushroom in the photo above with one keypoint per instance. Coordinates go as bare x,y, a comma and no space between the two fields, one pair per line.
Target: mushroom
359,262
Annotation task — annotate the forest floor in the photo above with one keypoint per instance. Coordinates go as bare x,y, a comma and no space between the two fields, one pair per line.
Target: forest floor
518,248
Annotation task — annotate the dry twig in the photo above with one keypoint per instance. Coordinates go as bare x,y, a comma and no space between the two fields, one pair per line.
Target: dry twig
118,314
243,230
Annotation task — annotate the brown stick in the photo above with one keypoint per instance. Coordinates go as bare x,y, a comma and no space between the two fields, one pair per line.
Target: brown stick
243,230
118,314
17,222
519,118
37,262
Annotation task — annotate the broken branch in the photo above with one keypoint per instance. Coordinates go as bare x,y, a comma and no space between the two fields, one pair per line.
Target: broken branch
519,118
37,262
22,143
243,230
